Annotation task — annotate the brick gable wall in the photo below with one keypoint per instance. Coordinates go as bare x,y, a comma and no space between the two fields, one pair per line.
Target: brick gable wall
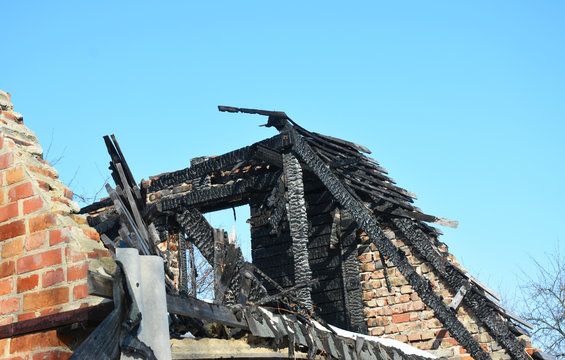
45,248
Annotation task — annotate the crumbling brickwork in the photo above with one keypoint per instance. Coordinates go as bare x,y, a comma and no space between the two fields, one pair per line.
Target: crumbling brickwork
45,248
400,314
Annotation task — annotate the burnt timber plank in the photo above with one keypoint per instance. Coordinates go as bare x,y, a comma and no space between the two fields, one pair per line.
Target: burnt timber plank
198,231
497,328
367,223
221,196
223,162
93,313
350,273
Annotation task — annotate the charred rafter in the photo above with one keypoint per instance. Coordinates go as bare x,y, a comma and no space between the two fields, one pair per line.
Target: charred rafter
214,164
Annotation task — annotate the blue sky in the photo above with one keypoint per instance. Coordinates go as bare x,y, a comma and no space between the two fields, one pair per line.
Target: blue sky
463,102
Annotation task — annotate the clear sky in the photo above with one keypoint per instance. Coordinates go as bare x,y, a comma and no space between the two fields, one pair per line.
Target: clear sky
462,101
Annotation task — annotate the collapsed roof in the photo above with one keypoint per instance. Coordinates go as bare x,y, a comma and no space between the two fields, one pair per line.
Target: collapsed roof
286,179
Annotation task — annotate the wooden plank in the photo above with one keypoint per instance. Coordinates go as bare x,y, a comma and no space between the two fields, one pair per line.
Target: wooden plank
186,306
133,204
459,296
92,313
192,307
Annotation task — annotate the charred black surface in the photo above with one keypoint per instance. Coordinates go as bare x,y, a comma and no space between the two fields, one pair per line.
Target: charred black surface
298,223
214,164
221,196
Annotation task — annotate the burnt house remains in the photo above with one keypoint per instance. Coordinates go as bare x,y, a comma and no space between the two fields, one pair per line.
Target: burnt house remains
340,255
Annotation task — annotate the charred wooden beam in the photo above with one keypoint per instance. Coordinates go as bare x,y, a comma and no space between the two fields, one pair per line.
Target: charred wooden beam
476,301
205,238
219,265
192,270
95,313
219,163
183,266
96,206
350,271
198,231
220,196
367,223
298,223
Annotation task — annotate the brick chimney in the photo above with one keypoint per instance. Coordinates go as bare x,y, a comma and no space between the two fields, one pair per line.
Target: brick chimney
45,248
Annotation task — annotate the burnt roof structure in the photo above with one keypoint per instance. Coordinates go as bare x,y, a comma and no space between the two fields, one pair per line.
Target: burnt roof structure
315,202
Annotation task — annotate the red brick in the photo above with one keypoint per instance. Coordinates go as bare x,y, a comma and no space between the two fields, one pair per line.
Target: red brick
49,311
10,305
42,171
45,298
2,195
38,261
13,229
80,291
73,256
42,222
367,267
400,318
43,185
21,191
28,283
9,211
77,272
4,343
56,237
6,160
7,268
98,253
34,341
91,234
401,338
414,336
14,175
68,194
26,316
52,277
32,205
13,248
8,115
79,219
35,241
6,286
365,258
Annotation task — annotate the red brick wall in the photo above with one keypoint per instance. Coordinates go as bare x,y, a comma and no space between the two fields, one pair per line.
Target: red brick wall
45,249
401,315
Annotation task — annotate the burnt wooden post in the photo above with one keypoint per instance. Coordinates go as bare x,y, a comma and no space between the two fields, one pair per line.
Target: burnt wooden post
183,271
193,289
219,256
298,223
350,271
